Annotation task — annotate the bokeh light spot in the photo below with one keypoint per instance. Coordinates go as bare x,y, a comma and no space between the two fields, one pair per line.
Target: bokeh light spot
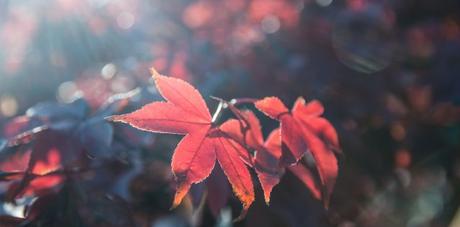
108,71
8,106
197,14
270,24
403,158
323,3
125,20
66,91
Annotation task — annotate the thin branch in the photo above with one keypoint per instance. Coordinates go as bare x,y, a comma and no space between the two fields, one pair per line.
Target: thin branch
218,112
243,101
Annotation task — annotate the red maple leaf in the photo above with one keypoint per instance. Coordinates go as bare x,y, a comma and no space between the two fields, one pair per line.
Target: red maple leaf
304,130
304,174
267,155
186,113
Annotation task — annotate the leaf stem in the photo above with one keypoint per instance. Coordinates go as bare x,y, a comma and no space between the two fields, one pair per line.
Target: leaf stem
218,111
232,108
244,123
243,101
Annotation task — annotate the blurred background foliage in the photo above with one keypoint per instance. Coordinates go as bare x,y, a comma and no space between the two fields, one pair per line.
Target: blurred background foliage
387,71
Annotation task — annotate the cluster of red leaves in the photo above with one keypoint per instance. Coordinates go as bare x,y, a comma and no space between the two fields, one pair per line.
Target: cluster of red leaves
238,143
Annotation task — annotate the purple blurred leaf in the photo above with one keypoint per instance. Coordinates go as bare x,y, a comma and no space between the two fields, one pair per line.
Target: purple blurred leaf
96,136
